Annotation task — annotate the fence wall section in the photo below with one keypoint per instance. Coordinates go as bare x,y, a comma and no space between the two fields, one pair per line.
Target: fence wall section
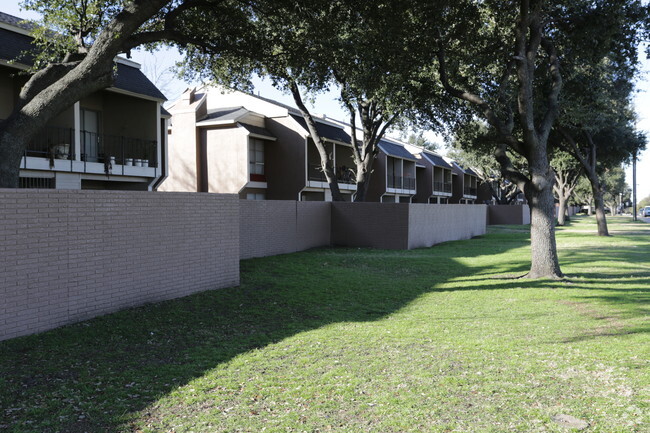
433,224
270,227
508,214
71,255
374,225
404,226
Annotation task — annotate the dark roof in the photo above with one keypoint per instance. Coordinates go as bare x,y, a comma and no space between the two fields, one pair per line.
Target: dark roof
256,130
326,131
15,21
13,46
466,170
393,149
231,113
164,113
133,80
436,160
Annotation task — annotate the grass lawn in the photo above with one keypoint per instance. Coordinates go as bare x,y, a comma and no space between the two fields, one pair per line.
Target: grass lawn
442,339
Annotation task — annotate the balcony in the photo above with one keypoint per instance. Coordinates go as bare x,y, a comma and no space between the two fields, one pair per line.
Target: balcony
56,144
409,183
469,191
345,175
315,173
394,181
442,187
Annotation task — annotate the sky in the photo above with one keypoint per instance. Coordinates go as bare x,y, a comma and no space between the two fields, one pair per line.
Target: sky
155,66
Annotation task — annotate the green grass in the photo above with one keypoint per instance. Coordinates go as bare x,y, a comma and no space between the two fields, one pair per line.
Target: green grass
443,339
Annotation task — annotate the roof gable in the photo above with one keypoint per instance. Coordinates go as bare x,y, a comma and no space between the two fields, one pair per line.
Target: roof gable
326,131
393,149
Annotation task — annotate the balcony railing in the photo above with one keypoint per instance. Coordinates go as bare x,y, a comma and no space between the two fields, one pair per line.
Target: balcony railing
442,187
470,191
345,175
52,142
58,143
394,181
125,150
315,173
409,183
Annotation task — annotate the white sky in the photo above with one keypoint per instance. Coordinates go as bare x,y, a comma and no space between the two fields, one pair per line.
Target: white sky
327,104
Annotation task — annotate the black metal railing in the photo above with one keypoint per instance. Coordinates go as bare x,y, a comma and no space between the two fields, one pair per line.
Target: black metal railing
52,142
58,143
470,191
125,150
409,183
442,187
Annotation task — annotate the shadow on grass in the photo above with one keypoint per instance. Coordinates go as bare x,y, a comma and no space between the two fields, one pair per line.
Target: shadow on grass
98,375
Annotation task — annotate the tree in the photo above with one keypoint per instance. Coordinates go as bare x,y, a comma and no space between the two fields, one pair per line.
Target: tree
501,60
511,70
567,174
78,41
365,49
472,146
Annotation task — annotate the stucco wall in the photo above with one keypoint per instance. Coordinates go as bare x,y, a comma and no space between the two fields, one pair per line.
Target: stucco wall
72,255
433,224
270,227
227,159
508,214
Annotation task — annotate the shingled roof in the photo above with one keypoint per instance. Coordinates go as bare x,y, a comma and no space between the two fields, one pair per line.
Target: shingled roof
436,160
326,131
396,150
16,46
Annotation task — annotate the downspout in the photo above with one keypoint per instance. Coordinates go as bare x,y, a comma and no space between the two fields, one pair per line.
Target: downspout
162,160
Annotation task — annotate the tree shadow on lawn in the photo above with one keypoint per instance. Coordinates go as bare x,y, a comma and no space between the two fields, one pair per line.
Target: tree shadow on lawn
97,375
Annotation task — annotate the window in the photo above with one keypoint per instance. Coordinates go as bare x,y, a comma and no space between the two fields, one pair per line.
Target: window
256,157
256,196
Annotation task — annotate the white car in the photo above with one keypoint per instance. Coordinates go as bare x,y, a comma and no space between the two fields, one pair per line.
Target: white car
645,212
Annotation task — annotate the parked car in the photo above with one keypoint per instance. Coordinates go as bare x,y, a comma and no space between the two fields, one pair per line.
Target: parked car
645,212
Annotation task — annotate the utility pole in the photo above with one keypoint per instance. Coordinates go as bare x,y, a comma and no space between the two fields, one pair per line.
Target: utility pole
634,186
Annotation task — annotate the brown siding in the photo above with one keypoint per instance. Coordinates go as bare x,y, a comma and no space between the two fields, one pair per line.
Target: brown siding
285,161
377,179
72,255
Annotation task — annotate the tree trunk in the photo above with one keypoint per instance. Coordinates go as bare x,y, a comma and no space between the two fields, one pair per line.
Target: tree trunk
325,162
544,259
600,209
561,210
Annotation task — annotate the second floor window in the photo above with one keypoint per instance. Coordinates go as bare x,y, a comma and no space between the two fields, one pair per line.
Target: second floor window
256,156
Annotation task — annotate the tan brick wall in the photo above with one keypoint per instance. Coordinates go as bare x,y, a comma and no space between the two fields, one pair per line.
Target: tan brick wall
433,224
508,214
67,256
270,227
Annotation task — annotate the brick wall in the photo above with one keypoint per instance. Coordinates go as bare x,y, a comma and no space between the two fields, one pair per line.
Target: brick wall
508,214
375,225
270,227
67,256
404,226
432,224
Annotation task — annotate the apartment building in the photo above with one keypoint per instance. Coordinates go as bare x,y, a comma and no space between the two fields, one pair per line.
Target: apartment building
112,139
